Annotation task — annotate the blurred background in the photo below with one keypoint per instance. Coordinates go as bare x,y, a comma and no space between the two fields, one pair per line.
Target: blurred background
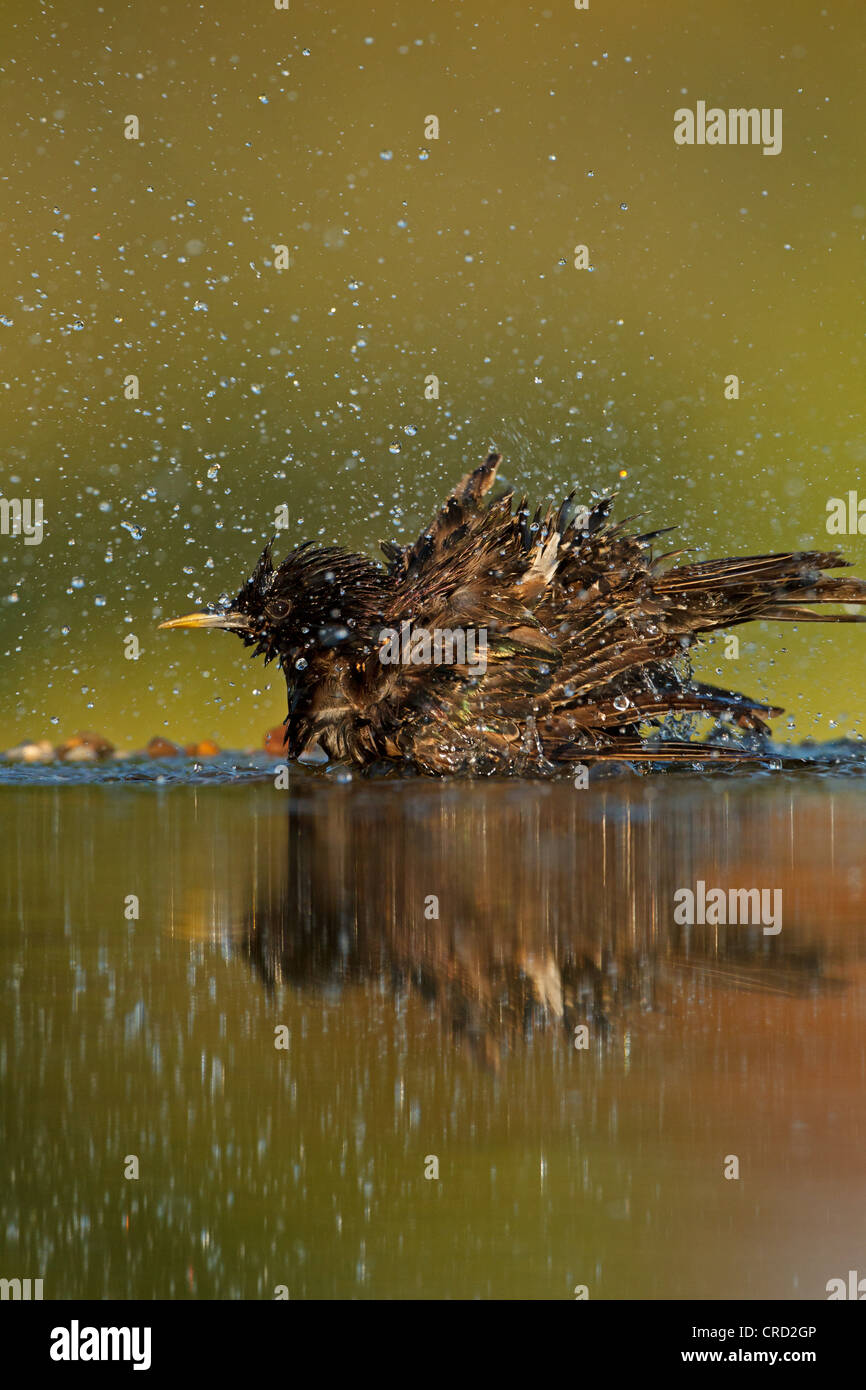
410,256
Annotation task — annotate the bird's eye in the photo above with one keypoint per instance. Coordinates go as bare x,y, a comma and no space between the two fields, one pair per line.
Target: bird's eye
278,608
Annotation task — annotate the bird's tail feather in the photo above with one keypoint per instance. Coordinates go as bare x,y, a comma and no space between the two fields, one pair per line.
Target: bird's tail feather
777,587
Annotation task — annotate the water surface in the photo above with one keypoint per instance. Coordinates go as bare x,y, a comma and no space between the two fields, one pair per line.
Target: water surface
411,1036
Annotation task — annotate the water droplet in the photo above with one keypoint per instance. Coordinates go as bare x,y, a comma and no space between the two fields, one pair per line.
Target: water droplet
333,635
623,207
213,472
423,154
386,154
621,702
301,664
134,530
99,600
410,429
395,447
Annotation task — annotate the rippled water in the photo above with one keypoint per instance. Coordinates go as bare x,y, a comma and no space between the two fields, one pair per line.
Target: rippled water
411,1036
845,758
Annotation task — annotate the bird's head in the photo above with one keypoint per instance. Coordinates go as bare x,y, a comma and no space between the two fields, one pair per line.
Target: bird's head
317,598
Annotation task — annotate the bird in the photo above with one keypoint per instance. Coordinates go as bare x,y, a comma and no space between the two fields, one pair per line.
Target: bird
505,642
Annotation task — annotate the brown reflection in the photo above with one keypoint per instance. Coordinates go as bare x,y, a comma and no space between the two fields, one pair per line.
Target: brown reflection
555,906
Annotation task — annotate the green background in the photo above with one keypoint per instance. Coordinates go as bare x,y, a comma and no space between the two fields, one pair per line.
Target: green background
409,256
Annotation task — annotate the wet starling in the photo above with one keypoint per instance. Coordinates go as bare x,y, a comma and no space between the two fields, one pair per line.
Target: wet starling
502,642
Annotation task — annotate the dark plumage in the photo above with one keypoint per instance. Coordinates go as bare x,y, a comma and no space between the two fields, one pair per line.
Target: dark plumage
587,636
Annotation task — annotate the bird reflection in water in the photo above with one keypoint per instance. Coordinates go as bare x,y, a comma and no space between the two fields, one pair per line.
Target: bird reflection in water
518,909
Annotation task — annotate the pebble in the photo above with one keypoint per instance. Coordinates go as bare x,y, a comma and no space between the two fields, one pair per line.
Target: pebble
205,749
84,748
163,748
275,741
30,752
90,748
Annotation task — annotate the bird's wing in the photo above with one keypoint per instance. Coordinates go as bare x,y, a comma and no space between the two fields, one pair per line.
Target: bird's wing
626,621
479,569
587,631
464,502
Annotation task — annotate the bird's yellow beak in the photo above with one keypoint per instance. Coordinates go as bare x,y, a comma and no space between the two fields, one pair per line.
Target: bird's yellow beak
237,621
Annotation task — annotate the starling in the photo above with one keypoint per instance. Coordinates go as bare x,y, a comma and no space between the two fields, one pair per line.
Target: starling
502,642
